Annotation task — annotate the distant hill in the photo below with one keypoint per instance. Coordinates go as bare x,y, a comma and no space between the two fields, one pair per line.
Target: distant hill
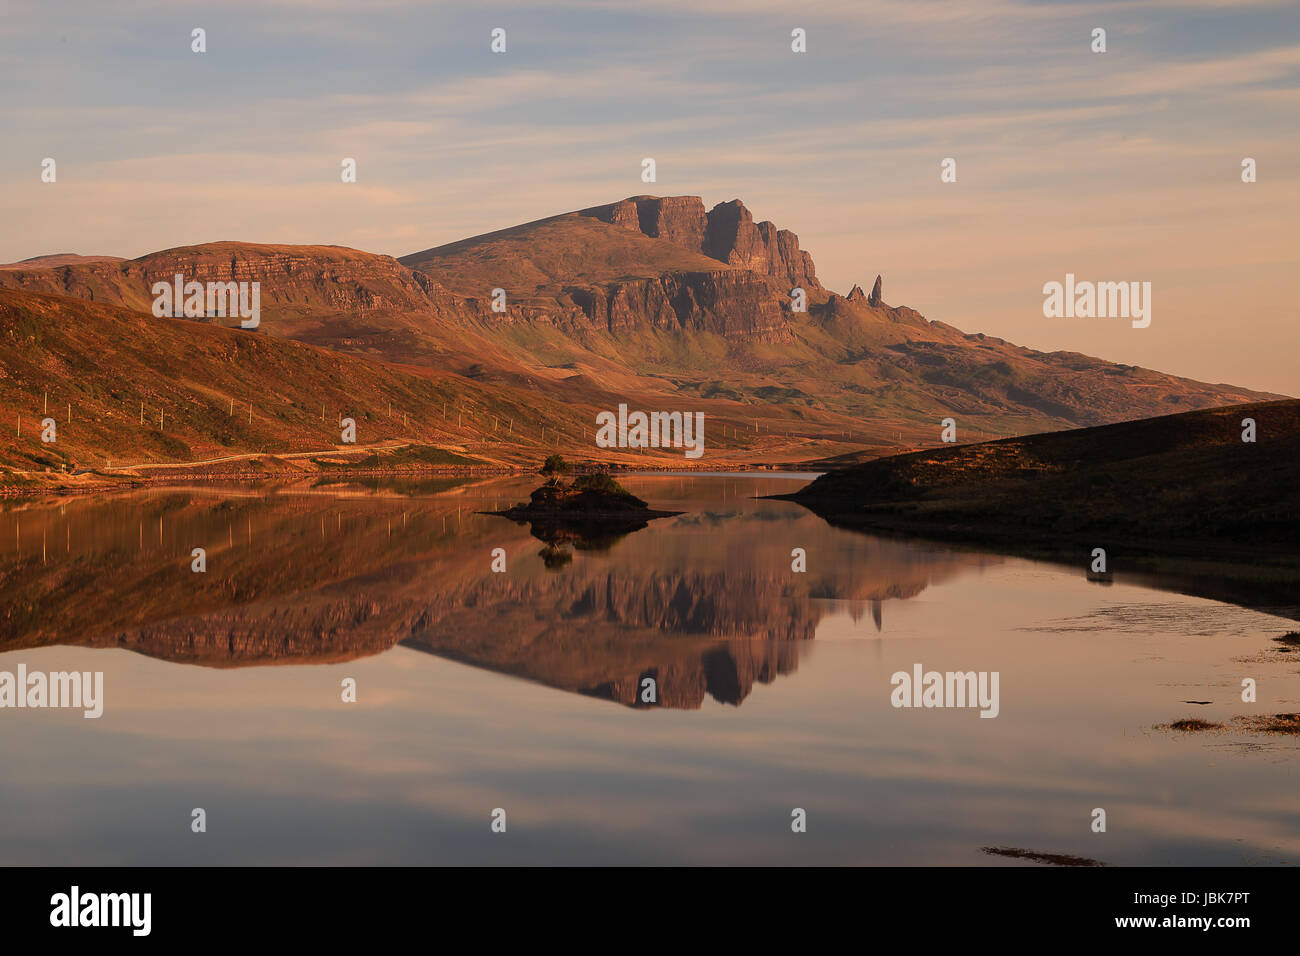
58,259
1180,484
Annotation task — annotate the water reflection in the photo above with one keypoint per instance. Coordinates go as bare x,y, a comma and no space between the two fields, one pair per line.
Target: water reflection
480,690
296,577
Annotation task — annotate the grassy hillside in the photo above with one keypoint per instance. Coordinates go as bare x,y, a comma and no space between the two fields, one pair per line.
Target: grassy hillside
206,392
193,384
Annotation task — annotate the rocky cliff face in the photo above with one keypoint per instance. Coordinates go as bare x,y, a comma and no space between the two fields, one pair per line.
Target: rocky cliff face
727,233
327,277
735,305
734,238
679,219
302,278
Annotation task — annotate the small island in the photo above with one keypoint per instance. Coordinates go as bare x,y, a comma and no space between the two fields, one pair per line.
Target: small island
591,512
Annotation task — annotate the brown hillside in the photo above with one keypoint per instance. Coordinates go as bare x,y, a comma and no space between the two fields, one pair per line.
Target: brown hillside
52,351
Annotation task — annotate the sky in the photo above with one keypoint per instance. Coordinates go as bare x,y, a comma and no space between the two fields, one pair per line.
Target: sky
1115,166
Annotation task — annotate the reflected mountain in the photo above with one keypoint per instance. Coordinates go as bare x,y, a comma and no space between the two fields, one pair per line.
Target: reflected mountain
705,603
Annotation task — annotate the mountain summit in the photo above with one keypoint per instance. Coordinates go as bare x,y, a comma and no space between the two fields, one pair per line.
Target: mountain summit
727,232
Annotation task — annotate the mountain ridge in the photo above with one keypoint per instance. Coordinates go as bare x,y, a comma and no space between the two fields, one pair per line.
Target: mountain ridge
662,302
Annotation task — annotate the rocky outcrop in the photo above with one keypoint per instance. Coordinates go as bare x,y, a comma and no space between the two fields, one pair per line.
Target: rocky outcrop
857,295
734,238
875,299
727,233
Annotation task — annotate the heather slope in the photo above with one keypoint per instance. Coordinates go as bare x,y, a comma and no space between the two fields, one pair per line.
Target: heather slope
203,391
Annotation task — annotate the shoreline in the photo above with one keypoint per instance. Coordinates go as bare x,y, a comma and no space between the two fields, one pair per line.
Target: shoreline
63,484
1037,543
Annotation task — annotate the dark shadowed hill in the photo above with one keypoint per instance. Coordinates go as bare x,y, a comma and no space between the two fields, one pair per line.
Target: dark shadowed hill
1180,484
